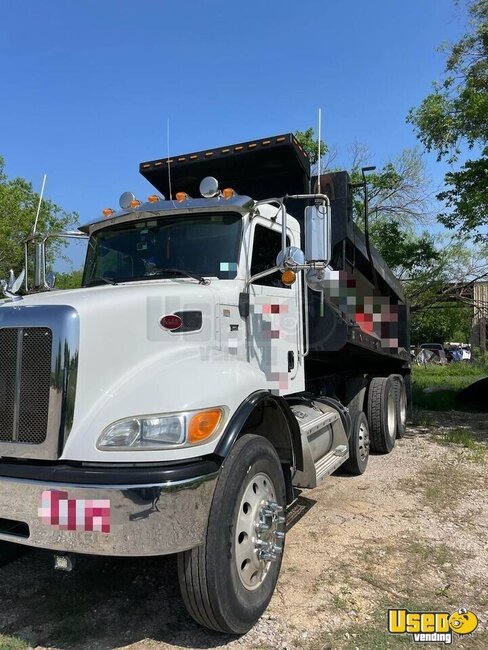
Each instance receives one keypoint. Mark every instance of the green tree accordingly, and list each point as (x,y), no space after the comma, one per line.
(69,280)
(310,145)
(435,270)
(400,191)
(18,206)
(454,116)
(441,323)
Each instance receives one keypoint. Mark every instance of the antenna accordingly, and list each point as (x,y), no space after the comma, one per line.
(318,167)
(39,204)
(168,163)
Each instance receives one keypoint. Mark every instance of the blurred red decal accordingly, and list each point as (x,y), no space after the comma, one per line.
(88,515)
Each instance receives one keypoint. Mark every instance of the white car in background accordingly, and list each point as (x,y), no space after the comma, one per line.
(466,352)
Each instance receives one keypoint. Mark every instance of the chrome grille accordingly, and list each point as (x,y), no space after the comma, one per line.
(25,377)
(8,371)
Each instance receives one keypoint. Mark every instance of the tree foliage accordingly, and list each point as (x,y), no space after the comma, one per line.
(456,114)
(310,145)
(451,321)
(436,271)
(69,279)
(18,206)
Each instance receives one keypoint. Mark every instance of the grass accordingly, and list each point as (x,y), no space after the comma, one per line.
(435,387)
(460,436)
(417,573)
(441,487)
(12,643)
(464,438)
(371,635)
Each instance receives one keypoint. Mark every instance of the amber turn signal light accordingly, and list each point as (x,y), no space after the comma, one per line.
(228,193)
(203,425)
(288,277)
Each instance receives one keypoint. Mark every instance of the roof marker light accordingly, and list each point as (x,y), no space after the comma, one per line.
(228,193)
(135,203)
(107,212)
(154,198)
(181,196)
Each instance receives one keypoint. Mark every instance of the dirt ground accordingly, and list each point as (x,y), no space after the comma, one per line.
(411,532)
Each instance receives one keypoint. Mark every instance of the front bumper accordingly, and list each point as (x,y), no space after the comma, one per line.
(118,520)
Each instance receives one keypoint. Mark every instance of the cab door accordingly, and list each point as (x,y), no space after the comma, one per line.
(275,332)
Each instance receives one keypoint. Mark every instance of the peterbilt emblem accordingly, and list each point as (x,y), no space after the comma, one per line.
(171,322)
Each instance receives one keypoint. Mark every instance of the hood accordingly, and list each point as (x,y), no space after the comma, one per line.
(107,296)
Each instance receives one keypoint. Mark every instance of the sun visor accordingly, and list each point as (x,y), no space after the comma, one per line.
(271,167)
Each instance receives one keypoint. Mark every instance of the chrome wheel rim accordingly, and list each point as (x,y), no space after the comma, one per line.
(402,407)
(363,441)
(259,531)
(391,415)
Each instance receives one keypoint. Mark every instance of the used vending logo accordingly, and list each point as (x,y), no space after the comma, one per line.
(430,627)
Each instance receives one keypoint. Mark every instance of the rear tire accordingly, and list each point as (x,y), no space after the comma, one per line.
(358,444)
(382,414)
(226,583)
(401,406)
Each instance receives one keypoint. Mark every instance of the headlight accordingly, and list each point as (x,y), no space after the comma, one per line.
(162,431)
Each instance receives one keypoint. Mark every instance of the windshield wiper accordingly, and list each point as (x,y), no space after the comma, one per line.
(92,283)
(161,273)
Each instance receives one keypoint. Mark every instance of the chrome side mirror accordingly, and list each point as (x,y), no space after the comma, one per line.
(50,280)
(126,199)
(209,187)
(39,265)
(317,234)
(290,258)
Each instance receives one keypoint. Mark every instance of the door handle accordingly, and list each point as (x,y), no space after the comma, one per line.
(291,360)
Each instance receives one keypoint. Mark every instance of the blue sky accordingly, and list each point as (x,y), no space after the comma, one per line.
(87,86)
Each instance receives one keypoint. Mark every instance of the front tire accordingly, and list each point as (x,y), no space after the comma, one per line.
(228,581)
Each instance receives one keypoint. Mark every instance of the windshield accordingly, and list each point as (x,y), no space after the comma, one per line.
(205,245)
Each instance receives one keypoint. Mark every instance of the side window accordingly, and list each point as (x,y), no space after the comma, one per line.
(266,246)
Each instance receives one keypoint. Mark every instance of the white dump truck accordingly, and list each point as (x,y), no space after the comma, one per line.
(232,340)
